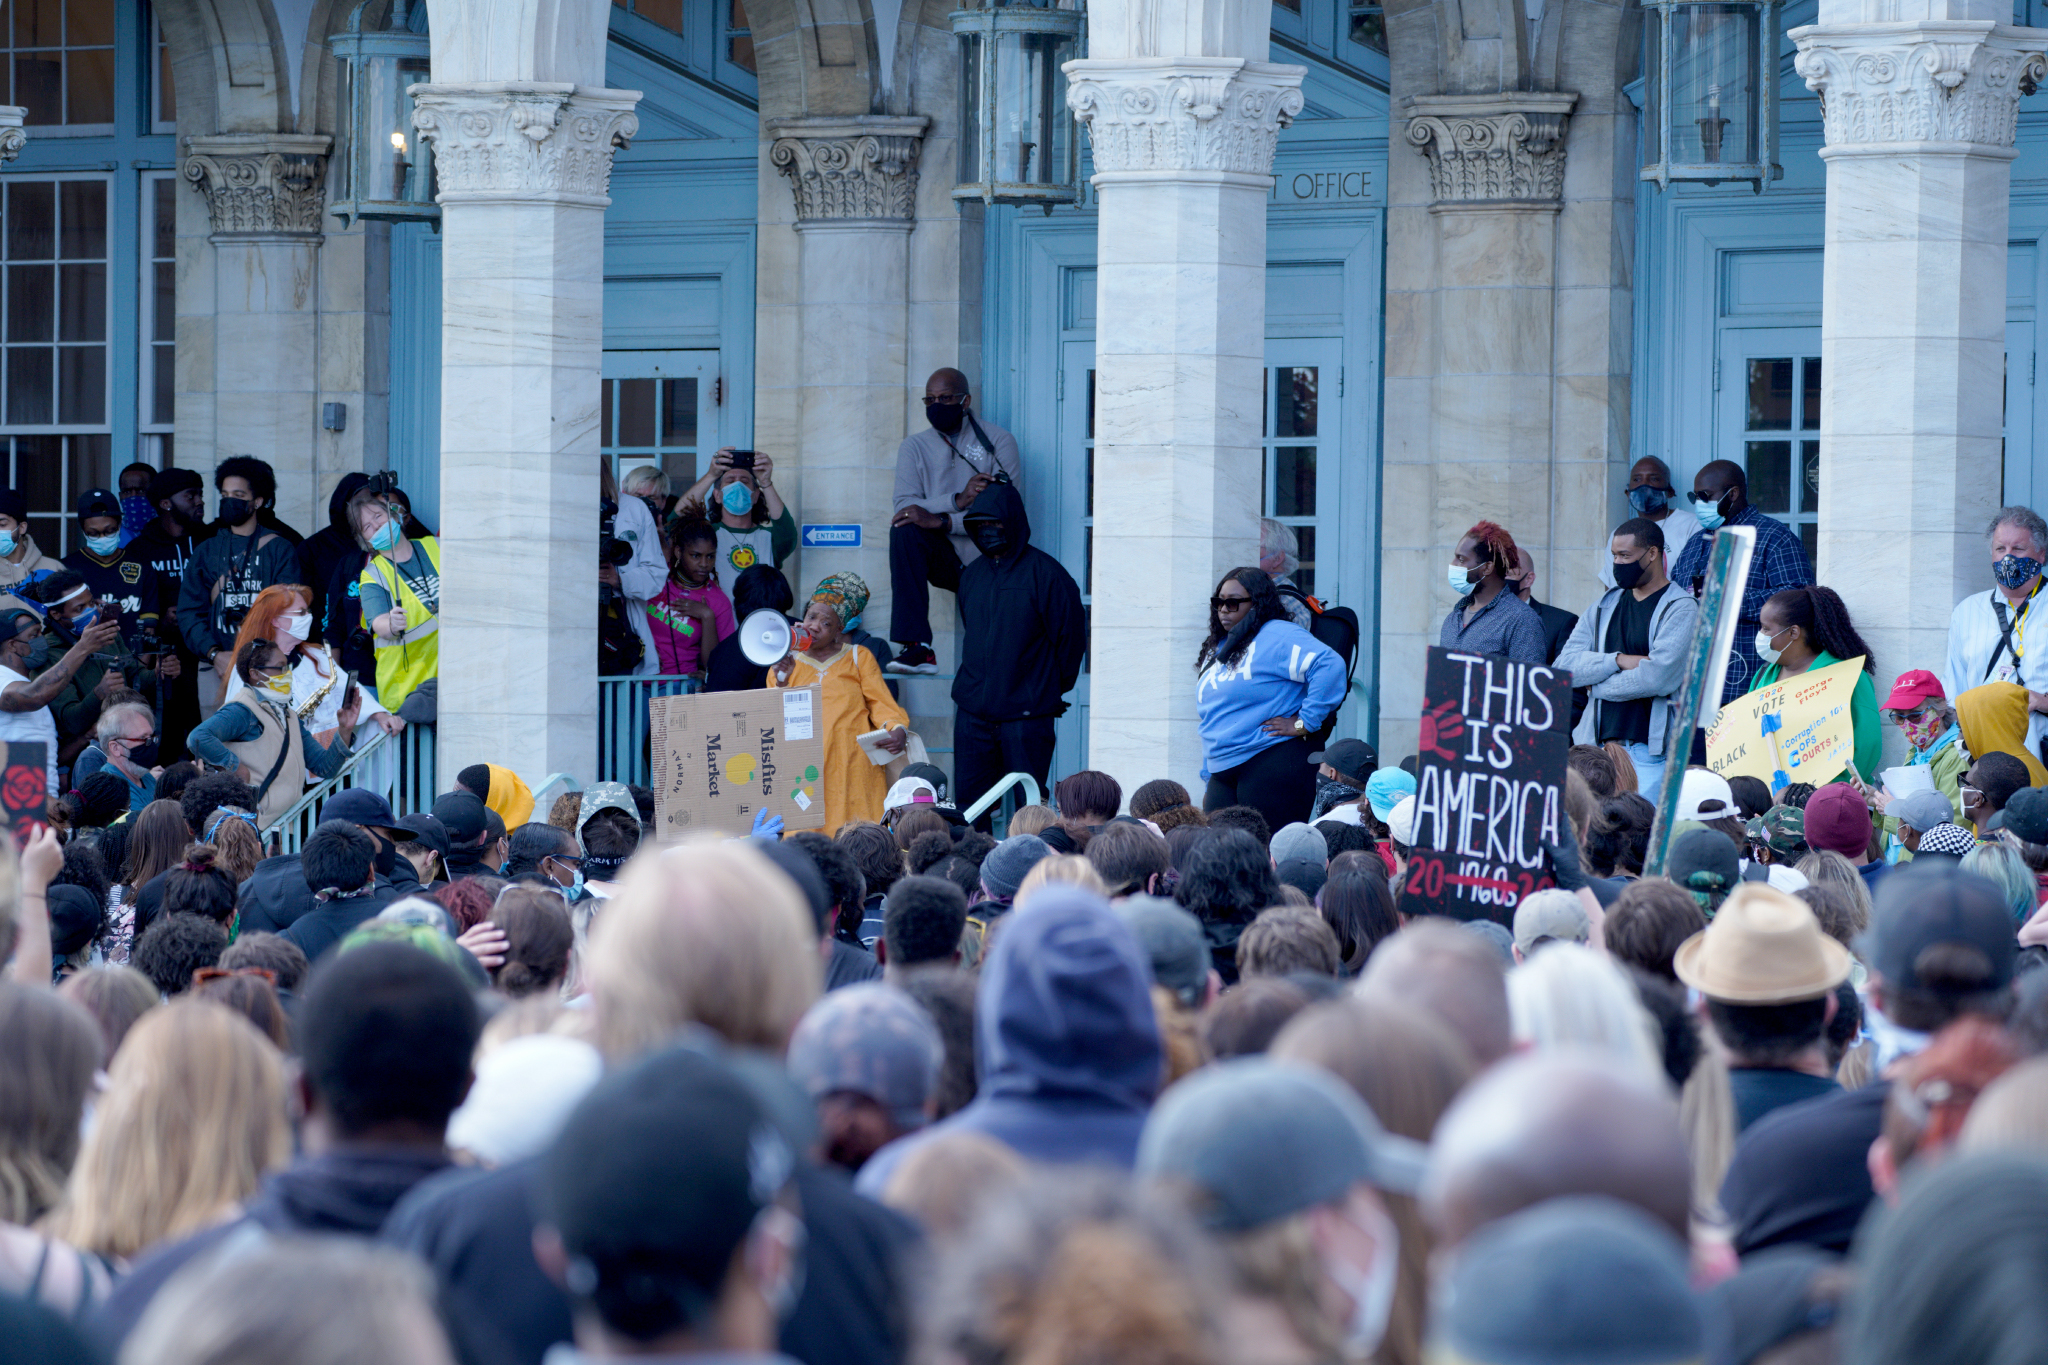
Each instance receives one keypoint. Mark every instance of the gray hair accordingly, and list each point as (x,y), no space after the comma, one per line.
(647,480)
(2027,519)
(111,720)
(1278,538)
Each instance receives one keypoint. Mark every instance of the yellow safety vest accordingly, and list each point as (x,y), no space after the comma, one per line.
(404,664)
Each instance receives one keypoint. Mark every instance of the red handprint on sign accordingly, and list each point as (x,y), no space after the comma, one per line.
(1440,722)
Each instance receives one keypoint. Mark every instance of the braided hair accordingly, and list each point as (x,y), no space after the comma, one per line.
(1227,647)
(1820,613)
(1499,545)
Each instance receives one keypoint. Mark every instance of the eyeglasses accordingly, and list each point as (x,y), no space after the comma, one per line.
(206,974)
(949,400)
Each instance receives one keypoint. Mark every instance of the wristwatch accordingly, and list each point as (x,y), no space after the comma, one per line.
(1299,728)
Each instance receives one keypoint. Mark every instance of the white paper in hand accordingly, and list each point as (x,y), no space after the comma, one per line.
(1906,781)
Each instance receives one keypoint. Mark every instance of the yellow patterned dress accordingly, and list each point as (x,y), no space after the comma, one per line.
(856,700)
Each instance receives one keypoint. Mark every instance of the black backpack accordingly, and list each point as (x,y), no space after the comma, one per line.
(1338,628)
(619,648)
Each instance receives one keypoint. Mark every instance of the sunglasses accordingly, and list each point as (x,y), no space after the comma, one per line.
(1226,603)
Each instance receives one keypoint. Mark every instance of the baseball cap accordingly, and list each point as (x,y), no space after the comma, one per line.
(75,919)
(525,1090)
(98,502)
(1945,840)
(873,1040)
(1401,822)
(1918,908)
(461,814)
(1172,939)
(1705,795)
(1552,913)
(1704,863)
(1913,687)
(1004,869)
(426,830)
(361,806)
(1922,810)
(605,796)
(1260,1140)
(2026,815)
(1354,758)
(654,1182)
(1385,790)
(1764,947)
(1784,829)
(910,791)
(1306,875)
(1299,842)
(932,773)
(1838,818)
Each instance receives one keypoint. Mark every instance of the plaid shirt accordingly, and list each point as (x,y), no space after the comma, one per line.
(1779,563)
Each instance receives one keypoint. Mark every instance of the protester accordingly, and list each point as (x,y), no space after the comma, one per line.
(1286,940)
(125,743)
(24,705)
(738,497)
(1838,821)
(1807,628)
(339,865)
(1630,649)
(691,614)
(1651,498)
(538,937)
(1130,859)
(1920,709)
(280,890)
(1546,917)
(1987,786)
(1488,618)
(940,473)
(400,592)
(1720,497)
(1557,623)
(1987,644)
(225,572)
(321,688)
(68,607)
(1022,637)
(175,947)
(262,740)
(855,699)
(869,1058)
(1266,685)
(922,920)
(1163,802)
(1280,560)
(760,588)
(162,549)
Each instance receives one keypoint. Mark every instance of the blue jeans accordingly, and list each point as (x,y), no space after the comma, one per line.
(1649,770)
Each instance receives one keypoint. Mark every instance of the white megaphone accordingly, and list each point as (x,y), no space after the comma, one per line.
(765,636)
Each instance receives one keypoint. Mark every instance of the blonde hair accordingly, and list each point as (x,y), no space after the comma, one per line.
(1061,869)
(943,1185)
(238,846)
(704,932)
(1568,995)
(192,1119)
(1032,820)
(52,1048)
(644,480)
(2012,1113)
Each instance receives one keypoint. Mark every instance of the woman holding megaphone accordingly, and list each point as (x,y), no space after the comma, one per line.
(855,699)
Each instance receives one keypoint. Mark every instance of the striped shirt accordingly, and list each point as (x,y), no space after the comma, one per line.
(1778,563)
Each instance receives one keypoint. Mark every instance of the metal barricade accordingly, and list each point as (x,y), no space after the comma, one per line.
(622,730)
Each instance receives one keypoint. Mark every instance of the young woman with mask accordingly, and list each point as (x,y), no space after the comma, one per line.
(855,698)
(259,736)
(1803,629)
(754,527)
(400,588)
(691,613)
(283,615)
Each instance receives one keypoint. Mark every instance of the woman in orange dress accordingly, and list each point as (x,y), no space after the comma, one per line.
(855,700)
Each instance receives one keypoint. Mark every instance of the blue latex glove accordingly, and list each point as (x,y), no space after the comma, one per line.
(767,825)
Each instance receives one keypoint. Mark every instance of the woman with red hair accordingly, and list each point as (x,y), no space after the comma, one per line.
(283,614)
(1488,619)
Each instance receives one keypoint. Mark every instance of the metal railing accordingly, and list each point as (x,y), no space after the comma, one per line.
(1006,792)
(399,768)
(622,730)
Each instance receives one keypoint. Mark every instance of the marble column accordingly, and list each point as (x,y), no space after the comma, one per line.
(524,169)
(1920,119)
(257,372)
(844,312)
(1183,157)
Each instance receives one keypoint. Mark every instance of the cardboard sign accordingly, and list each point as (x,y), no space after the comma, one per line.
(722,757)
(24,789)
(1489,787)
(1798,730)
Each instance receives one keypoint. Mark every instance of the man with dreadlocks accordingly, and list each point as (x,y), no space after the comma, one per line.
(1487,619)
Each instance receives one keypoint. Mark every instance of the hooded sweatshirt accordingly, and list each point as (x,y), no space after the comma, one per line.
(1023,628)
(1066,1043)
(330,556)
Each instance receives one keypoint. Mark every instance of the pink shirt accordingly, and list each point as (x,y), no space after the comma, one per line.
(679,643)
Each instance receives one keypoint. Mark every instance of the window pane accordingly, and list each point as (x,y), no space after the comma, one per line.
(166,84)
(39,473)
(92,465)
(740,47)
(1291,6)
(1369,26)
(31,303)
(681,471)
(667,13)
(164,235)
(1294,481)
(1091,405)
(1090,508)
(31,220)
(89,89)
(604,413)
(164,315)
(28,385)
(39,86)
(1770,476)
(1809,539)
(1809,416)
(82,303)
(1809,476)
(84,219)
(89,23)
(679,413)
(1305,576)
(164,367)
(1770,395)
(636,412)
(82,384)
(38,23)
(1294,400)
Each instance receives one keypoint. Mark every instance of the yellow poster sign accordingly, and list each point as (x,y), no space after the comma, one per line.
(1798,730)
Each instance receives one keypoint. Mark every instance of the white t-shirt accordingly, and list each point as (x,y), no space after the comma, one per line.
(30,727)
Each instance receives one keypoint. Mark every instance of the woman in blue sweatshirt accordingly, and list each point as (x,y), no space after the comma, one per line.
(1266,685)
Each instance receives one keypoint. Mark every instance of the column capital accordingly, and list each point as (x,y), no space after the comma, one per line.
(1955,81)
(261,186)
(852,170)
(500,141)
(12,137)
(1492,151)
(1167,114)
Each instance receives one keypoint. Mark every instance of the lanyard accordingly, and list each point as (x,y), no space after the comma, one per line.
(2006,638)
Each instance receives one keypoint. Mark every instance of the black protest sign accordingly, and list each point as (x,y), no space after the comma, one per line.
(1489,785)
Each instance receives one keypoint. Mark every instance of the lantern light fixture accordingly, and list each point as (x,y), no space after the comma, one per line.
(1712,91)
(1018,141)
(385,172)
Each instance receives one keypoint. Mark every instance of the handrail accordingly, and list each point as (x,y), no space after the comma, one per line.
(1022,781)
(289,829)
(568,784)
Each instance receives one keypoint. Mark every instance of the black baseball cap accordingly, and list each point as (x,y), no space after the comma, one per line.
(654,1182)
(461,814)
(98,502)
(1352,757)
(361,806)
(1918,908)
(427,831)
(2026,815)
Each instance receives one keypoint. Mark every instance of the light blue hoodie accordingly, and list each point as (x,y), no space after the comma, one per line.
(1284,671)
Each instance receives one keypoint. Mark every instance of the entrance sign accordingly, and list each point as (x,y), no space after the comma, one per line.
(1798,730)
(1489,785)
(831,537)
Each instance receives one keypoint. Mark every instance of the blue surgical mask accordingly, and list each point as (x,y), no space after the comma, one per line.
(1709,513)
(38,654)
(2013,571)
(83,622)
(103,545)
(738,499)
(1648,501)
(385,536)
(1460,579)
(6,542)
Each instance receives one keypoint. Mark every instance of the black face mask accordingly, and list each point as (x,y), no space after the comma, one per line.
(387,856)
(1626,576)
(945,417)
(143,755)
(234,511)
(990,538)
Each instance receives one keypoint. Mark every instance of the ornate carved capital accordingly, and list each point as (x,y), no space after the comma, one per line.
(261,184)
(850,170)
(1184,113)
(516,140)
(1935,80)
(12,137)
(1492,149)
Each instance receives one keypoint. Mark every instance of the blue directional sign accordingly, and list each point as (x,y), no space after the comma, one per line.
(831,537)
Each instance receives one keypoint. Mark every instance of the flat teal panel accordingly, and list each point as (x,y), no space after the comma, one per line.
(663,312)
(1756,283)
(1080,309)
(416,366)
(1305,296)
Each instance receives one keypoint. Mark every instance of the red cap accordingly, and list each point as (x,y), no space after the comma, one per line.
(1911,689)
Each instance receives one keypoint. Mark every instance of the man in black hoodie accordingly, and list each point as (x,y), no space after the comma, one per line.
(1023,634)
(385,1033)
(332,554)
(163,547)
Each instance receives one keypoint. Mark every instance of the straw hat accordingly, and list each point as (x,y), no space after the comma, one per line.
(1763,948)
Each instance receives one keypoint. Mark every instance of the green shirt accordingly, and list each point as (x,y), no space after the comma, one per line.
(1862,715)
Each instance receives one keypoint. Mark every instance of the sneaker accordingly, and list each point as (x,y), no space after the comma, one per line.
(913,659)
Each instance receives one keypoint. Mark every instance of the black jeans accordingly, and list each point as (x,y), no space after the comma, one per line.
(985,751)
(1278,779)
(919,560)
